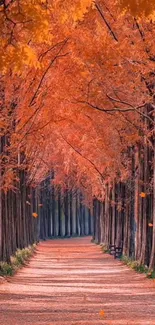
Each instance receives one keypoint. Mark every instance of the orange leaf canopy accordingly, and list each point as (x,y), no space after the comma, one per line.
(71,100)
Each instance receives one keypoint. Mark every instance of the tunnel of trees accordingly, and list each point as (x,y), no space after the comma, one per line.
(77,117)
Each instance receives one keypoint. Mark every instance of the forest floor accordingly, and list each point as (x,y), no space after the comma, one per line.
(71,282)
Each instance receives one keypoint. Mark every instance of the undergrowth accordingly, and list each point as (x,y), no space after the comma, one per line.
(135,265)
(17,261)
(140,268)
(105,249)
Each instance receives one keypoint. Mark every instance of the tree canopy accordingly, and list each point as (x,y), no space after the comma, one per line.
(76,77)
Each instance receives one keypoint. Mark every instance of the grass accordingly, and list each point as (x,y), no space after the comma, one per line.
(135,265)
(151,274)
(17,261)
(140,268)
(105,249)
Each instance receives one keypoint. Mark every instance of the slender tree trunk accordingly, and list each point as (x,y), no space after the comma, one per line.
(152,258)
(102,214)
(143,203)
(113,236)
(136,201)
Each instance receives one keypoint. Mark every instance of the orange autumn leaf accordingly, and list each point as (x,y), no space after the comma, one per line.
(86,165)
(34,214)
(150,224)
(102,313)
(138,8)
(142,194)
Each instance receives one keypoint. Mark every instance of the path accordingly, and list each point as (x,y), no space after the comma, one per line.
(69,282)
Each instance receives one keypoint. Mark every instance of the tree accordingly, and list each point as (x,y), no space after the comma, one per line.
(80,101)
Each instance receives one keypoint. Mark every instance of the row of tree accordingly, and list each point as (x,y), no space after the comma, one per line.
(127,216)
(63,214)
(28,215)
(18,228)
(77,95)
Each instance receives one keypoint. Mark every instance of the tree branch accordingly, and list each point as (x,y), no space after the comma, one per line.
(79,153)
(133,108)
(46,71)
(106,22)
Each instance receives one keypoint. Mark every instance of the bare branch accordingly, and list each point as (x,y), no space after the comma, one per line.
(139,29)
(106,110)
(79,153)
(46,71)
(106,22)
(133,108)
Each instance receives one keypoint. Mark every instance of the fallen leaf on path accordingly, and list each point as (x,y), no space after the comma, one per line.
(102,313)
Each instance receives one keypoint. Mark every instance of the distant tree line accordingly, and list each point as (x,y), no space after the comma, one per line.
(29,214)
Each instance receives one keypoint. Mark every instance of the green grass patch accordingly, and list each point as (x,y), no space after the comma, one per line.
(6,269)
(105,249)
(135,265)
(151,274)
(17,261)
(140,268)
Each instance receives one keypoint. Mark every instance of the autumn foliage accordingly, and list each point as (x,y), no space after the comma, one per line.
(75,81)
(76,91)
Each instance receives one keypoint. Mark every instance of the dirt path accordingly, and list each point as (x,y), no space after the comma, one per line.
(69,282)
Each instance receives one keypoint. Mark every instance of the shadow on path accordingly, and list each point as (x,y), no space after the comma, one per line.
(69,282)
